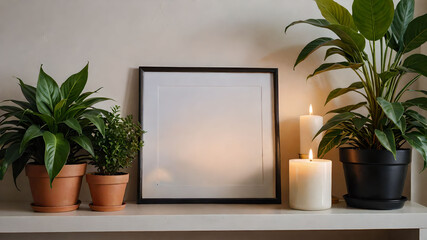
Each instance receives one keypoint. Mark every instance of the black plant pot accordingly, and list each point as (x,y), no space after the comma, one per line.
(374,179)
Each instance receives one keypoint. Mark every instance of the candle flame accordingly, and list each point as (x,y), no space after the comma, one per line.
(310,155)
(310,109)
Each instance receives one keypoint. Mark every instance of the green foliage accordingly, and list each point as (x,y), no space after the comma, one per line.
(382,120)
(51,127)
(120,144)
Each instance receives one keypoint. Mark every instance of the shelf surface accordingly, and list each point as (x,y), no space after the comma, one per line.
(19,218)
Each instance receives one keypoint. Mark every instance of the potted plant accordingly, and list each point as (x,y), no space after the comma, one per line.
(114,151)
(45,135)
(376,129)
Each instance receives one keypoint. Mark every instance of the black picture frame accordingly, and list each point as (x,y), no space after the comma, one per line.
(275,102)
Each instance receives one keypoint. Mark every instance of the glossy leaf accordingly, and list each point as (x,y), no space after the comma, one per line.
(74,85)
(386,76)
(386,139)
(334,50)
(373,17)
(330,140)
(340,91)
(420,102)
(346,34)
(18,166)
(47,93)
(359,122)
(56,153)
(11,155)
(32,132)
(85,95)
(403,15)
(310,48)
(85,143)
(29,93)
(416,33)
(417,63)
(334,121)
(334,66)
(335,13)
(92,101)
(97,121)
(59,110)
(348,108)
(417,140)
(394,111)
(74,124)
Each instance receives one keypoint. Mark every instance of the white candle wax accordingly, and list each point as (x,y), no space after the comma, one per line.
(310,184)
(309,125)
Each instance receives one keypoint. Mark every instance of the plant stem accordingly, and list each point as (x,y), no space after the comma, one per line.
(401,92)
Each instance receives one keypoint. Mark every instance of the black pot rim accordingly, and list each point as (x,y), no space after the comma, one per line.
(349,155)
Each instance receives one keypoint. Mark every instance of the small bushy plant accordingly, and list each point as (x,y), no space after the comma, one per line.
(120,144)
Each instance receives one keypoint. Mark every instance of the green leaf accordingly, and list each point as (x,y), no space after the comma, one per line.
(394,111)
(387,75)
(334,50)
(59,110)
(91,101)
(32,132)
(22,104)
(11,155)
(335,120)
(74,124)
(85,143)
(420,102)
(330,140)
(74,85)
(335,13)
(310,48)
(340,91)
(348,108)
(346,34)
(392,42)
(18,166)
(334,66)
(83,96)
(416,63)
(373,17)
(56,153)
(47,93)
(97,121)
(416,116)
(29,93)
(403,15)
(359,122)
(418,141)
(386,139)
(416,33)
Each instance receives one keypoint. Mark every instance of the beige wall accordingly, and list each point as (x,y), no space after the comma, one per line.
(118,36)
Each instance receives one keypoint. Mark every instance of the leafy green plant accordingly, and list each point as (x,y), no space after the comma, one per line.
(387,122)
(120,144)
(51,126)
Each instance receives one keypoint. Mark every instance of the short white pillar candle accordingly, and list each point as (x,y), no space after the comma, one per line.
(310,184)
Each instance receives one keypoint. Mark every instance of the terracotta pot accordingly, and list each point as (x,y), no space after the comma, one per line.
(107,191)
(64,194)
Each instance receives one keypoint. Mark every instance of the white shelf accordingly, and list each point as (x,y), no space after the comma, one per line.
(19,218)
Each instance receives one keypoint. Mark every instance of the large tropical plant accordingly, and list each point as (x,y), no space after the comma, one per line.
(51,127)
(382,120)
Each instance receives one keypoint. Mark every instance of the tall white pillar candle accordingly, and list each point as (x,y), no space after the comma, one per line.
(309,125)
(310,184)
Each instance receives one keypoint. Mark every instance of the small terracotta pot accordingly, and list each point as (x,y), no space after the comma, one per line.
(64,194)
(107,191)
